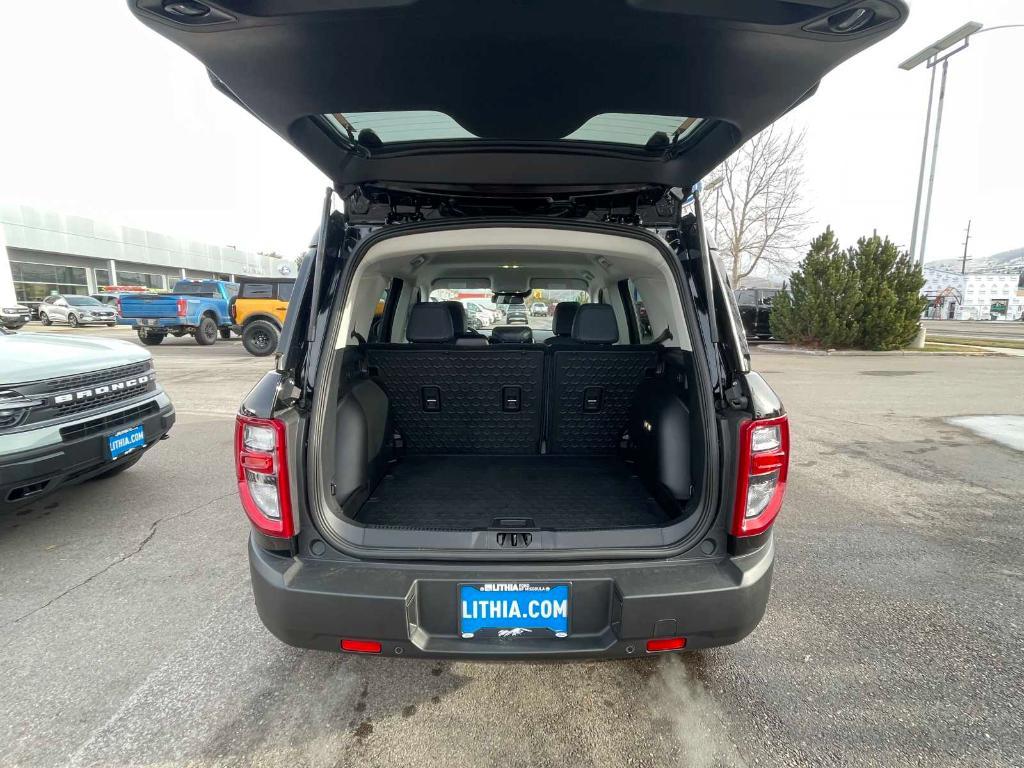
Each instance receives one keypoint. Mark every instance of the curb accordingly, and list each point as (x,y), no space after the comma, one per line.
(786,349)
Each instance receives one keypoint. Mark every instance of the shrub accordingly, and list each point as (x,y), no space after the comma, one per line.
(866,297)
(821,306)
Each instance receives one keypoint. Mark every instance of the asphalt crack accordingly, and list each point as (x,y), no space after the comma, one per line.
(117,561)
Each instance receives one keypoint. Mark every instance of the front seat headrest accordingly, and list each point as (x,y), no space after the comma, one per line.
(430,323)
(511,334)
(565,314)
(595,324)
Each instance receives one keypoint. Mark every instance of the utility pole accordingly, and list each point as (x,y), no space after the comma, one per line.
(963,264)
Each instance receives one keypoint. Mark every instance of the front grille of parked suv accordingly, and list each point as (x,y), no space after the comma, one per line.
(73,395)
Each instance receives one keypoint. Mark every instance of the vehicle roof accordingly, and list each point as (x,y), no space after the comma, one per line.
(242,279)
(520,78)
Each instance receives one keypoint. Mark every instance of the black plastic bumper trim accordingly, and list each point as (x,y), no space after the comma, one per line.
(411,607)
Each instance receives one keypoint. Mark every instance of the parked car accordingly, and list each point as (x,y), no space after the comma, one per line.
(72,409)
(258,312)
(430,495)
(75,311)
(193,307)
(516,313)
(485,315)
(755,305)
(539,309)
(13,315)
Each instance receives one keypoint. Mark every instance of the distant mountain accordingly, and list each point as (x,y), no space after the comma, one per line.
(1005,263)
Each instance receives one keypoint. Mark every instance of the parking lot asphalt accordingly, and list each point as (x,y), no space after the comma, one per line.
(894,635)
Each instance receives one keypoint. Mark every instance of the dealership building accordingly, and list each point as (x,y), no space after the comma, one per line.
(972,296)
(42,253)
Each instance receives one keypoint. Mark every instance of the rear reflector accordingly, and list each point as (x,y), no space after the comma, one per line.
(360,646)
(666,644)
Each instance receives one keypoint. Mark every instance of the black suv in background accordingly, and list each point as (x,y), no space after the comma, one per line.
(755,305)
(418,490)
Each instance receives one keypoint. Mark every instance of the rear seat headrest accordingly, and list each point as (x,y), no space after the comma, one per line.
(511,334)
(595,324)
(565,314)
(430,323)
(458,313)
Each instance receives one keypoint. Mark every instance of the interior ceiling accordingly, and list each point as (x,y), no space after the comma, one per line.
(529,264)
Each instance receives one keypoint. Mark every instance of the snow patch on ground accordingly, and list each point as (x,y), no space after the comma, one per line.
(1005,430)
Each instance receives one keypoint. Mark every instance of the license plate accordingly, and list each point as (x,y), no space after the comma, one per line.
(150,322)
(517,610)
(125,441)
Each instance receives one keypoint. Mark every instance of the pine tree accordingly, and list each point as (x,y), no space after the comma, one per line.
(821,306)
(890,285)
(868,297)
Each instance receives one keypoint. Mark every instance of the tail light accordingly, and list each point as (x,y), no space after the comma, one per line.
(182,307)
(761,481)
(262,473)
(117,306)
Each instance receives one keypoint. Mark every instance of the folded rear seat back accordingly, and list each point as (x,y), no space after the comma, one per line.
(593,383)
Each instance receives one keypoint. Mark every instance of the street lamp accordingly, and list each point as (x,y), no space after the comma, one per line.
(932,55)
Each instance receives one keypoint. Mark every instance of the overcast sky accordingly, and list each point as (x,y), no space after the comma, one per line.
(103,118)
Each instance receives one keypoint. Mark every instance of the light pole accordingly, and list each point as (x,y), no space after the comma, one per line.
(932,55)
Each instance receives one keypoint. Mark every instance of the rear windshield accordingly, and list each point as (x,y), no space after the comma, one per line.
(208,290)
(537,309)
(425,125)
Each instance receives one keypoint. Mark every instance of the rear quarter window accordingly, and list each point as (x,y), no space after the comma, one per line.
(257,291)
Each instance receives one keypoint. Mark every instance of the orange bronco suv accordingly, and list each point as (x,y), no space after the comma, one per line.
(257,312)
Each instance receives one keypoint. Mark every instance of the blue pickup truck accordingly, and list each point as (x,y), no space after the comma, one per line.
(195,307)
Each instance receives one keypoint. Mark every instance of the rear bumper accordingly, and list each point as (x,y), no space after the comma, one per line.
(412,608)
(29,475)
(159,324)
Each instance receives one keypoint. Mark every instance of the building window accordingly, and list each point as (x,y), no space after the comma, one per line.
(144,279)
(34,282)
(102,277)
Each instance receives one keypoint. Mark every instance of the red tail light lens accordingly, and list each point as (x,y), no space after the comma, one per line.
(763,471)
(666,644)
(182,307)
(360,646)
(262,473)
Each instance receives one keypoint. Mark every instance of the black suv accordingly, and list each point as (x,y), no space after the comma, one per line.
(417,489)
(755,305)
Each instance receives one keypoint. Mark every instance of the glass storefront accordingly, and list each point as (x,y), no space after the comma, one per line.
(34,282)
(102,277)
(144,279)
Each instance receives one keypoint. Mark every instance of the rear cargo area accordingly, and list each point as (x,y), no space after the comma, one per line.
(578,437)
(455,416)
(553,492)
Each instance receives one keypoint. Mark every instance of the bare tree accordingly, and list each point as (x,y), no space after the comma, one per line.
(756,202)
